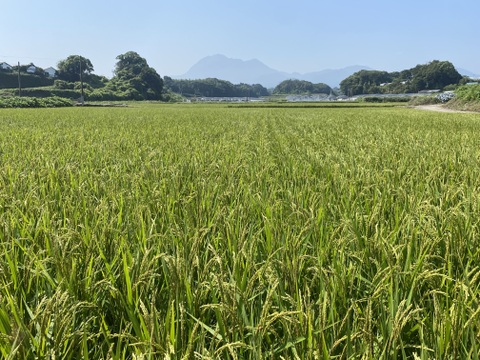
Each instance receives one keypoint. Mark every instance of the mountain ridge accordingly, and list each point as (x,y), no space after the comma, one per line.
(254,71)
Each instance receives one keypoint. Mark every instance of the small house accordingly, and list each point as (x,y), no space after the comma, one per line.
(32,69)
(5,66)
(51,72)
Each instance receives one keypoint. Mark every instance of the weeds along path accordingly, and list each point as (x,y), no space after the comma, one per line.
(209,232)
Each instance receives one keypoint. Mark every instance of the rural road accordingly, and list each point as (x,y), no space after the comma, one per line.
(439,108)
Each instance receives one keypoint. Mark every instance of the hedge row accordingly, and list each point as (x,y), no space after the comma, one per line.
(95,95)
(31,102)
(385,99)
(10,80)
(44,93)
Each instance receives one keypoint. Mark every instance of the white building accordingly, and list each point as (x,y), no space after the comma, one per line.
(51,72)
(32,69)
(5,66)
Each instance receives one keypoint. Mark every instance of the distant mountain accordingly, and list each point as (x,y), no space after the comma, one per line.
(255,72)
(234,70)
(468,73)
(332,77)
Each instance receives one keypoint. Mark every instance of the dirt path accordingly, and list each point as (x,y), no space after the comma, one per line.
(440,108)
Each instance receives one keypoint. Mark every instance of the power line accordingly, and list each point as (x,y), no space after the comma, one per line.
(26,57)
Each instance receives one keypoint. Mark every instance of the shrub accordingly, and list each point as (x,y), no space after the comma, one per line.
(423,100)
(78,86)
(103,95)
(469,93)
(32,102)
(383,99)
(62,84)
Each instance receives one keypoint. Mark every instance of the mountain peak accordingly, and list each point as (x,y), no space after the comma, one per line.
(254,71)
(234,70)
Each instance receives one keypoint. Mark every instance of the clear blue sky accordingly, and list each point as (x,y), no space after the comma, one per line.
(292,36)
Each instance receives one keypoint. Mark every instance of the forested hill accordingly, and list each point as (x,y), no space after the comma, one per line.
(434,75)
(212,87)
(301,87)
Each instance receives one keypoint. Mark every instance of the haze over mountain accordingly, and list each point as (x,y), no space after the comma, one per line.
(468,73)
(255,72)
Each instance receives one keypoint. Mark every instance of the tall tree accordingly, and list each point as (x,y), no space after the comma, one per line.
(133,70)
(74,65)
(130,63)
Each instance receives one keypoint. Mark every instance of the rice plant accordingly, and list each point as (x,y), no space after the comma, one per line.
(207,232)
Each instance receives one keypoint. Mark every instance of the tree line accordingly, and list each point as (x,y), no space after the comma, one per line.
(212,87)
(432,76)
(134,79)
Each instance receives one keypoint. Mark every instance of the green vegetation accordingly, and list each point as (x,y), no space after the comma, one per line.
(9,79)
(424,100)
(43,92)
(134,80)
(33,102)
(239,233)
(431,76)
(314,105)
(468,93)
(213,88)
(390,99)
(74,68)
(301,87)
(467,98)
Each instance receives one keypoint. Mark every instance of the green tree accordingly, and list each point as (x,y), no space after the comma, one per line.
(365,82)
(435,75)
(135,77)
(301,87)
(74,65)
(212,87)
(130,64)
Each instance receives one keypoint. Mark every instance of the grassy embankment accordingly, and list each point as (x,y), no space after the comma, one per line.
(467,99)
(212,232)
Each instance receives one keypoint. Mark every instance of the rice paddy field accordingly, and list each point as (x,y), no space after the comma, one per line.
(210,232)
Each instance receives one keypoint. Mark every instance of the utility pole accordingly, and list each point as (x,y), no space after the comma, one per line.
(82,99)
(19,84)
